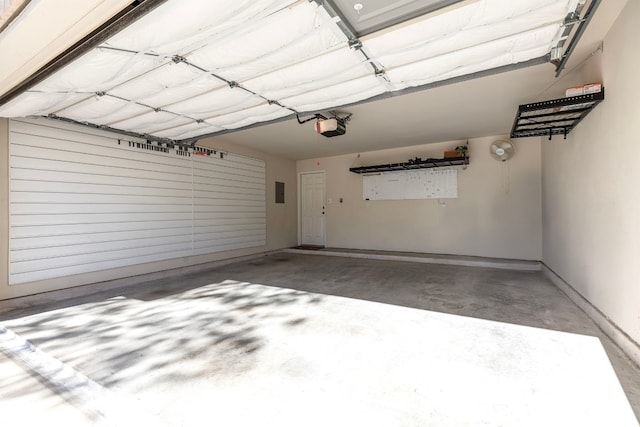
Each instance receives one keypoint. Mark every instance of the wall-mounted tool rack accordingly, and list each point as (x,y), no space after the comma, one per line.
(553,117)
(416,163)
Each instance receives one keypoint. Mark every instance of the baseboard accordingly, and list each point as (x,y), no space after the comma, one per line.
(613,331)
(485,263)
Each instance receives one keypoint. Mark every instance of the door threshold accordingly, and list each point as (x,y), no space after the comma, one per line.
(310,247)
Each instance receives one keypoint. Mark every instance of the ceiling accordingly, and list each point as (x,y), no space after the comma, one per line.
(467,109)
(474,108)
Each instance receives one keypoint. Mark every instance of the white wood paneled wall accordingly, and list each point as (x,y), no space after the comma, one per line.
(83,200)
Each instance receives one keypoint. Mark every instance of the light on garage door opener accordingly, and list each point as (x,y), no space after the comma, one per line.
(331,127)
(334,125)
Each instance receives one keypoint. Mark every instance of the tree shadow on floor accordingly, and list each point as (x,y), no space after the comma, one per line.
(164,333)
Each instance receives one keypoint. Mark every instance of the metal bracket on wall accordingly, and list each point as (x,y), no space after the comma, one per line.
(417,163)
(553,117)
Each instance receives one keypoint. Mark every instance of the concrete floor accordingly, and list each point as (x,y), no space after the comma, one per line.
(227,341)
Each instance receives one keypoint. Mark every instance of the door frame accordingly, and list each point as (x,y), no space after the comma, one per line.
(324,219)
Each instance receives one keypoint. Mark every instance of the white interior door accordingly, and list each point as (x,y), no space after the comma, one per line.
(312,217)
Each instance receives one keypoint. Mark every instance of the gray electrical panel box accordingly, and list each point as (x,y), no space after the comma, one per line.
(279,192)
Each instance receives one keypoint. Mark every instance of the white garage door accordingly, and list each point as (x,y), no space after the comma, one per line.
(83,200)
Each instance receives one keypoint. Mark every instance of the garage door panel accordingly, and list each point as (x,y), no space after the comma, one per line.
(82,202)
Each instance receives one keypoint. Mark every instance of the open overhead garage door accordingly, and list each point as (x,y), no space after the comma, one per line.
(83,200)
(192,68)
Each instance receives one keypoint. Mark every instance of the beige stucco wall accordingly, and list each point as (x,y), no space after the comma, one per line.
(4,205)
(591,204)
(497,213)
(281,227)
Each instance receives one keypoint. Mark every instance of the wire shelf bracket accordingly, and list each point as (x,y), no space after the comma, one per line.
(412,165)
(554,117)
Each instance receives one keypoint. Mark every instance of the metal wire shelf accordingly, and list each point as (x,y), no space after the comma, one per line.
(553,117)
